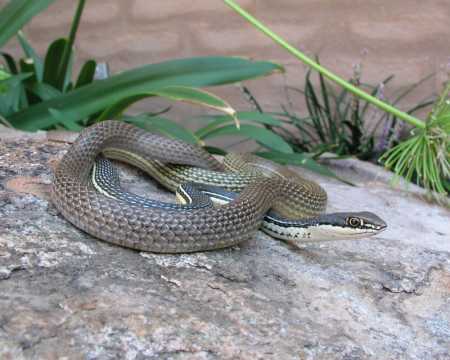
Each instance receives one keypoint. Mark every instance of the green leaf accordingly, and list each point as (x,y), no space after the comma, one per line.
(52,60)
(87,73)
(194,72)
(163,126)
(66,76)
(45,91)
(13,80)
(11,92)
(257,117)
(263,136)
(66,120)
(64,69)
(215,122)
(16,14)
(195,96)
(119,107)
(180,93)
(302,160)
(27,66)
(10,62)
(31,54)
(242,116)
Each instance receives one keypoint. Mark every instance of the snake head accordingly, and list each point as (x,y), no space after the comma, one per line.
(349,225)
(365,221)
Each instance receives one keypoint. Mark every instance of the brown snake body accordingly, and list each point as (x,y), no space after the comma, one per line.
(163,230)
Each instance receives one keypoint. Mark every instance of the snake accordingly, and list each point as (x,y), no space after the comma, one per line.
(109,213)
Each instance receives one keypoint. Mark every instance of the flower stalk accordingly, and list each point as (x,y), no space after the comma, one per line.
(325,72)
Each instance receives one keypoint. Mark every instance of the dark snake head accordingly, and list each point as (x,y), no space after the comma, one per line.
(350,225)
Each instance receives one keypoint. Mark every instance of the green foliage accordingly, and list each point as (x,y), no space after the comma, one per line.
(425,157)
(430,145)
(252,127)
(117,92)
(16,14)
(41,79)
(337,122)
(44,93)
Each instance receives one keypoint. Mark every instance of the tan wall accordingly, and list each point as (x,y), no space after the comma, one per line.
(408,38)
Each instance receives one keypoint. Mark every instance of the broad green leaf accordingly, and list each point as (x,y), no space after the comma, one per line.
(66,76)
(45,91)
(195,96)
(87,73)
(11,92)
(16,14)
(4,74)
(26,66)
(300,160)
(263,136)
(8,80)
(257,117)
(66,120)
(119,107)
(193,72)
(164,126)
(52,59)
(31,54)
(10,62)
(214,124)
(180,93)
(242,116)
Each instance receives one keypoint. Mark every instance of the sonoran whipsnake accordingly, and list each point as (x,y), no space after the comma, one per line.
(100,207)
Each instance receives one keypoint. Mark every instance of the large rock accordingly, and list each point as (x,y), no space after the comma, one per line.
(66,295)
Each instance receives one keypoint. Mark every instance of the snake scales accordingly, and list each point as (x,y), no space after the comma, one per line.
(161,230)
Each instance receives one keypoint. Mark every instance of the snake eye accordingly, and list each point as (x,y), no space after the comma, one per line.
(354,222)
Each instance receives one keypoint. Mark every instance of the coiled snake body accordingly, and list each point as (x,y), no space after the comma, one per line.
(159,229)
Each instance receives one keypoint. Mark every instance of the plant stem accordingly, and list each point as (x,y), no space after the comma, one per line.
(76,22)
(340,81)
(69,45)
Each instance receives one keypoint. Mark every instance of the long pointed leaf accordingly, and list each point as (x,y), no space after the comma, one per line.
(44,91)
(11,93)
(10,62)
(195,96)
(68,122)
(180,93)
(52,60)
(31,53)
(86,75)
(301,160)
(119,107)
(242,116)
(164,126)
(203,71)
(65,63)
(16,14)
(263,136)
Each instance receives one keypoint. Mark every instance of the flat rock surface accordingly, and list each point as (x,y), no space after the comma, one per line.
(66,295)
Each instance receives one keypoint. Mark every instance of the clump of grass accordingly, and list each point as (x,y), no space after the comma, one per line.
(338,122)
(425,156)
